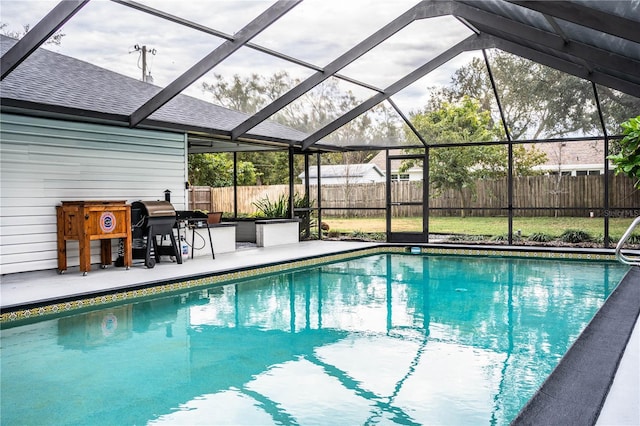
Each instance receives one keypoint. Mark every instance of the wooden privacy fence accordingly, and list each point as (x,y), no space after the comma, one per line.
(536,195)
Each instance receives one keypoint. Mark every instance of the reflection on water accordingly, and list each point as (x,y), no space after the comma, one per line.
(95,328)
(387,338)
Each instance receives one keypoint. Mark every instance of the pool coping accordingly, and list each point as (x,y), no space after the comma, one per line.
(95,299)
(576,390)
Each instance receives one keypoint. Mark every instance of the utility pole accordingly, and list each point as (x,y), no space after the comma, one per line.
(144,51)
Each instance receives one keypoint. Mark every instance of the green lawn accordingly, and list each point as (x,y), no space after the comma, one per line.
(490,226)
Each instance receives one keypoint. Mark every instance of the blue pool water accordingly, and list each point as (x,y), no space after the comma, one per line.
(388,338)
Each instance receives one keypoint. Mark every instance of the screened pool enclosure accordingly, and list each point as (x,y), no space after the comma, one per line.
(500,112)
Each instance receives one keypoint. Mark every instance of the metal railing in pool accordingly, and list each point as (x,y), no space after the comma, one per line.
(628,260)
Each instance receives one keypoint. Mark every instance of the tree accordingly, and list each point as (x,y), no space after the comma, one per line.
(217,170)
(271,168)
(627,161)
(55,39)
(538,102)
(249,94)
(458,168)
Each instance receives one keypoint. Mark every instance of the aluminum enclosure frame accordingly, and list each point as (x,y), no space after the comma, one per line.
(538,31)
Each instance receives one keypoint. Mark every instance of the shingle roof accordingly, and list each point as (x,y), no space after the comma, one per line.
(50,78)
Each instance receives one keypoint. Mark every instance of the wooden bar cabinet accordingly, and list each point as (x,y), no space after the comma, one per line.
(86,221)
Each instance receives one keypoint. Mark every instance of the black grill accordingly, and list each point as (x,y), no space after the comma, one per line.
(152,220)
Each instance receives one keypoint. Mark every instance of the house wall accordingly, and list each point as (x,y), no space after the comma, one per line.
(370,176)
(414,174)
(572,158)
(44,161)
(340,180)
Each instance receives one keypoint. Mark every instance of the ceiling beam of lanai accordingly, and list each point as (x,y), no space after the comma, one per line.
(587,17)
(583,69)
(590,56)
(567,66)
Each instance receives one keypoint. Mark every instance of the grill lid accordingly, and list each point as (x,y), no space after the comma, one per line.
(156,208)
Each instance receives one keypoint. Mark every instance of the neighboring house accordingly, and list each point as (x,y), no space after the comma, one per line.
(572,158)
(380,160)
(568,158)
(64,136)
(344,173)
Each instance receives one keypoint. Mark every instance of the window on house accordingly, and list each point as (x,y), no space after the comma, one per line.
(587,172)
(398,177)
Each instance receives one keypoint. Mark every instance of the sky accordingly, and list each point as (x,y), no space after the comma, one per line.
(104,33)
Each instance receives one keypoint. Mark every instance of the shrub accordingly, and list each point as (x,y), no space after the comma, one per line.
(540,237)
(575,236)
(467,238)
(614,239)
(368,236)
(378,236)
(273,209)
(627,161)
(360,235)
(280,209)
(633,239)
(504,237)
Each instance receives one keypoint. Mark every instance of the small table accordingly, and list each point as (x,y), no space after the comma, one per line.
(86,221)
(197,220)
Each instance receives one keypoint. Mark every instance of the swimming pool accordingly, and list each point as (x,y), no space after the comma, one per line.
(387,338)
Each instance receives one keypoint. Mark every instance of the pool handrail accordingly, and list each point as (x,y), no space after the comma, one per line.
(634,261)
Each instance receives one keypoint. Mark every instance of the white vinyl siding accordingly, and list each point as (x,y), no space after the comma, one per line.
(44,161)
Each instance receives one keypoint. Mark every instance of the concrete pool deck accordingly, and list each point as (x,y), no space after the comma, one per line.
(622,405)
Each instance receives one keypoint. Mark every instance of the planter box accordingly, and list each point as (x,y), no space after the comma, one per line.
(275,232)
(280,231)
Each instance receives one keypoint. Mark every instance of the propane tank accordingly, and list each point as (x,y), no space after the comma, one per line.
(184,248)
